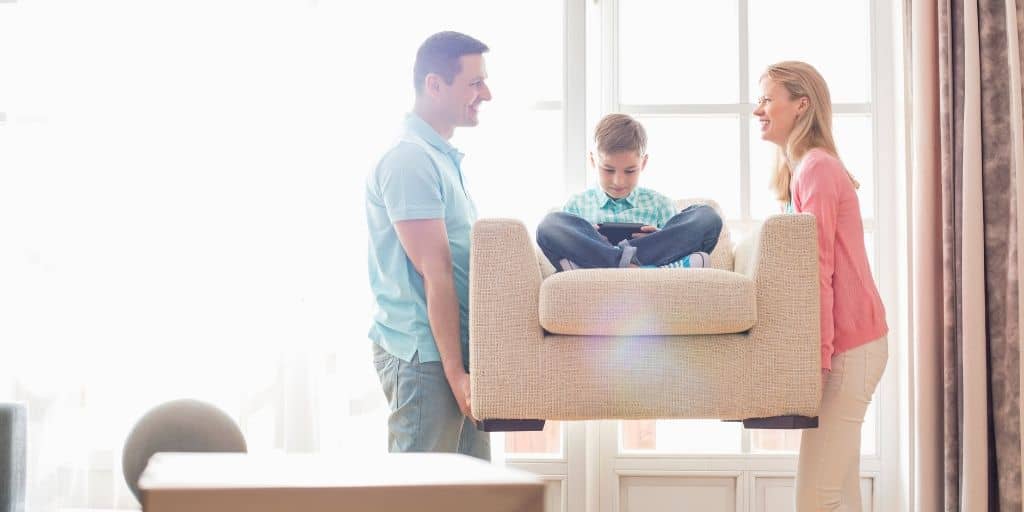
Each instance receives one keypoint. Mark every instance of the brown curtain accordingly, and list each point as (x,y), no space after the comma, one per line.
(966,187)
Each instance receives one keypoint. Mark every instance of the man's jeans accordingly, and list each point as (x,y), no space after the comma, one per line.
(424,414)
(564,235)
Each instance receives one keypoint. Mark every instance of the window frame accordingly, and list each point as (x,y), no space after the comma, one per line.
(590,90)
(886,108)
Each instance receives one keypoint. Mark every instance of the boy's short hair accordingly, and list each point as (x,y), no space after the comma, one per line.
(616,133)
(440,54)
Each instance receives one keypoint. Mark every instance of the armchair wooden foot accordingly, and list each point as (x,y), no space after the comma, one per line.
(781,422)
(510,425)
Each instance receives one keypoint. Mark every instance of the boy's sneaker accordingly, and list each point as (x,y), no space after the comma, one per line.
(567,264)
(695,260)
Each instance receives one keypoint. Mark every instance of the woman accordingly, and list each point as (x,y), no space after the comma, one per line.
(795,111)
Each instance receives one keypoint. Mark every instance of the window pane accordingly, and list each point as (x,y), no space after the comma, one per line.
(788,441)
(775,441)
(511,56)
(680,436)
(762,164)
(546,443)
(832,35)
(738,233)
(693,156)
(852,134)
(501,182)
(867,433)
(869,247)
(853,141)
(496,175)
(661,44)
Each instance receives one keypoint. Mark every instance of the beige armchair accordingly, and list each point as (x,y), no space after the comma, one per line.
(739,341)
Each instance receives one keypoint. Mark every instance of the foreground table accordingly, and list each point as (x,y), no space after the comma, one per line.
(229,482)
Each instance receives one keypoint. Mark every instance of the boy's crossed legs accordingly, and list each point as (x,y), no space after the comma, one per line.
(564,236)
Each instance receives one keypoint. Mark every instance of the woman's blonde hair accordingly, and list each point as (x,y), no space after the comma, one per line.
(813,129)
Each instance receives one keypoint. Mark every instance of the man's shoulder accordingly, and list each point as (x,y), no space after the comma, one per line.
(402,162)
(403,154)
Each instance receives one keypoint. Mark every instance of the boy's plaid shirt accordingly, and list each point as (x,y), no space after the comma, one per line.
(643,205)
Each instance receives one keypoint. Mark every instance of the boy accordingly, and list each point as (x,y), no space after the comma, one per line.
(570,239)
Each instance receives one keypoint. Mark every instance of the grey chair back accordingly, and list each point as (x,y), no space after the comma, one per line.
(13,447)
(178,426)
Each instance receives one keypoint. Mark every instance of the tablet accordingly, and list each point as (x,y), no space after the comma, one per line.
(616,232)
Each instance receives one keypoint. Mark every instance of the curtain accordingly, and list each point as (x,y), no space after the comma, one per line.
(966,262)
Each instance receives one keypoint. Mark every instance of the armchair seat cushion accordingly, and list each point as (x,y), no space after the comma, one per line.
(647,302)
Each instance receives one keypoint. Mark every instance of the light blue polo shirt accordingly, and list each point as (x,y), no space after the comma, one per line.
(420,177)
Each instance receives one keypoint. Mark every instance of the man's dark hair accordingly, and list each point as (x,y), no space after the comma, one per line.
(440,53)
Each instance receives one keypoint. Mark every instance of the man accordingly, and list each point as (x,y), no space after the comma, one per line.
(419,217)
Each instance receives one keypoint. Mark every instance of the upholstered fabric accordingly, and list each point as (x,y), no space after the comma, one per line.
(546,268)
(647,302)
(722,256)
(519,371)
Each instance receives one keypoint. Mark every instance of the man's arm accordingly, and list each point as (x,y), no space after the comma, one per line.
(426,243)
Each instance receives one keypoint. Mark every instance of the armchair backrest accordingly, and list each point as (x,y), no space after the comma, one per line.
(722,256)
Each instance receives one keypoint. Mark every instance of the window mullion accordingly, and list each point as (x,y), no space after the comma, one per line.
(574,91)
(744,47)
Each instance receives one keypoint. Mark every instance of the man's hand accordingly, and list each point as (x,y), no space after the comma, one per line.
(459,382)
(426,244)
(645,230)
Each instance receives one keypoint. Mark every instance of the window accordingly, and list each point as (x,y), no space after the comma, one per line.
(184,194)
(189,178)
(691,81)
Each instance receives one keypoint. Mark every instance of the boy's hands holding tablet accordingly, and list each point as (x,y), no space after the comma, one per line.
(616,232)
(644,231)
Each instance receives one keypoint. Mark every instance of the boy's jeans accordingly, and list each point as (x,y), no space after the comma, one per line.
(564,235)
(424,414)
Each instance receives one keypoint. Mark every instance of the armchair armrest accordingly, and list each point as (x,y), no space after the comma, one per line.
(784,266)
(787,336)
(504,323)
